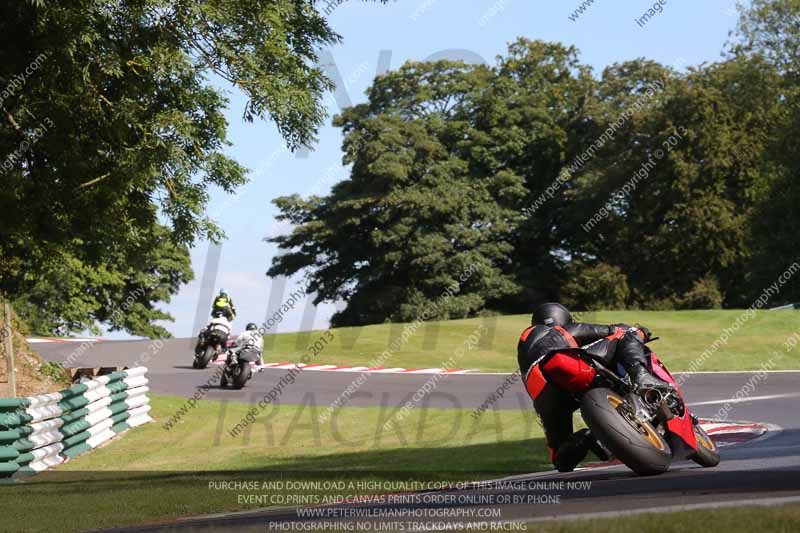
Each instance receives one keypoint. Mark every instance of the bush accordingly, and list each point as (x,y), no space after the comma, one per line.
(55,372)
(600,286)
(704,294)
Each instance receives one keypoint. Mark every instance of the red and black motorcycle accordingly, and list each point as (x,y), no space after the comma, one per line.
(645,429)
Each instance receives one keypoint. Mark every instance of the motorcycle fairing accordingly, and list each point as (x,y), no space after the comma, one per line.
(680,426)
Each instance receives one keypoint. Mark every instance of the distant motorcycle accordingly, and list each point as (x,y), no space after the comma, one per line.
(210,344)
(237,369)
(645,429)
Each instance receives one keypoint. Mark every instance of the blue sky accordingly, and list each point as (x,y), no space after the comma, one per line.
(684,33)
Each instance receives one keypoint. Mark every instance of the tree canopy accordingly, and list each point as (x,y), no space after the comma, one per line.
(640,187)
(115,135)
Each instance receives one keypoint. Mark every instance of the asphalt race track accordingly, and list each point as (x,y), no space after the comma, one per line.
(171,373)
(766,470)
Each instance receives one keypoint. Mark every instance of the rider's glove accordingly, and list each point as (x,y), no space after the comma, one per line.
(613,329)
(645,333)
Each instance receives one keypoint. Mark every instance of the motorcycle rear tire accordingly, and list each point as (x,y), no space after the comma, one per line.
(241,375)
(643,449)
(204,359)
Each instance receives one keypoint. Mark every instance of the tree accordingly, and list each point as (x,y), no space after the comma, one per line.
(679,183)
(770,29)
(416,229)
(643,188)
(446,161)
(535,122)
(121,291)
(116,137)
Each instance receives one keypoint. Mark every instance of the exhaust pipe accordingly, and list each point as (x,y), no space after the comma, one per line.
(653,396)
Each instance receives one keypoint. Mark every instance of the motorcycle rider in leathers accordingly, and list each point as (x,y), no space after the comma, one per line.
(223,306)
(221,325)
(250,339)
(552,329)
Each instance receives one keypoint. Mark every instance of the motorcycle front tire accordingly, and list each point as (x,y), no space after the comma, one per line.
(707,454)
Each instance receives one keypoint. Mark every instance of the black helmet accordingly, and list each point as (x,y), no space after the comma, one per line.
(551,314)
(251,327)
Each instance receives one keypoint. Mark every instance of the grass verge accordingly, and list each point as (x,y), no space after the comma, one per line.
(684,336)
(779,519)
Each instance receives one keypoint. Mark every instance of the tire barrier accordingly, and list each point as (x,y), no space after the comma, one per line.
(43,431)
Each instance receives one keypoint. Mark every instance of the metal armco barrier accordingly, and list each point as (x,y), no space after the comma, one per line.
(42,431)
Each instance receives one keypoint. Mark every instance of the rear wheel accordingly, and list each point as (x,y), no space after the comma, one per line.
(204,359)
(241,375)
(633,441)
(707,454)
